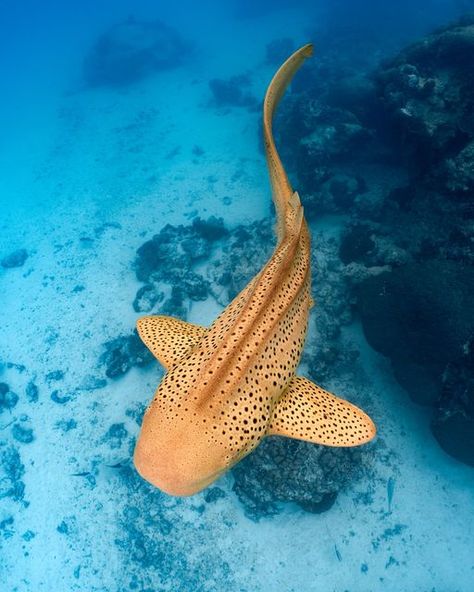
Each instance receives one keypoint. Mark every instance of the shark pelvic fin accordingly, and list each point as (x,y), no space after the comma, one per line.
(308,412)
(168,339)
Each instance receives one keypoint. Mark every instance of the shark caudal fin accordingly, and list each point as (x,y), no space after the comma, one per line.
(168,339)
(281,188)
(308,412)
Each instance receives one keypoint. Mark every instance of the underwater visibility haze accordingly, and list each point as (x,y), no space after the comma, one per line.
(133,185)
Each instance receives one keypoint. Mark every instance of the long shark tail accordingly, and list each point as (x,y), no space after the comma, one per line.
(283,194)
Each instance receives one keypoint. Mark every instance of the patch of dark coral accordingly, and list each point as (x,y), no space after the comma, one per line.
(284,470)
(8,399)
(131,50)
(419,311)
(12,471)
(122,353)
(421,316)
(453,420)
(427,92)
(170,257)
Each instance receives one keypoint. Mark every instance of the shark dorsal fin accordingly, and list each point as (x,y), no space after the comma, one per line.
(308,412)
(168,339)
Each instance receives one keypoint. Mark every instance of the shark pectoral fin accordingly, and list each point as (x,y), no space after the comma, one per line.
(308,412)
(168,339)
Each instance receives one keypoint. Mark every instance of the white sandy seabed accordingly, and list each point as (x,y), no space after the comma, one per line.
(101,173)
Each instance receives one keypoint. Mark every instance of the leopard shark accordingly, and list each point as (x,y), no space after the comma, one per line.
(230,385)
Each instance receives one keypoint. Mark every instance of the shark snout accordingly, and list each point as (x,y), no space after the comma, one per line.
(172,473)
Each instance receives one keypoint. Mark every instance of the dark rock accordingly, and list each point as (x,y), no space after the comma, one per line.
(457,172)
(285,470)
(428,92)
(453,421)
(146,298)
(124,352)
(212,494)
(32,392)
(115,435)
(57,398)
(195,286)
(232,92)
(151,255)
(344,189)
(15,259)
(356,243)
(22,434)
(129,51)
(12,471)
(55,375)
(175,249)
(174,306)
(420,316)
(211,229)
(403,197)
(8,399)
(248,249)
(196,247)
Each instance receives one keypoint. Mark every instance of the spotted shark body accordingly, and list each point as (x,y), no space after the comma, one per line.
(230,385)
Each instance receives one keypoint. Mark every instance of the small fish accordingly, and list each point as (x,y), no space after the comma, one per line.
(230,385)
(338,554)
(390,490)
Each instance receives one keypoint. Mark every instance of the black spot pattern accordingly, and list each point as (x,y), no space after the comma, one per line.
(308,412)
(167,338)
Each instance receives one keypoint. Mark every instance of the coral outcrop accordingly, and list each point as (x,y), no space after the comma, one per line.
(419,311)
(131,50)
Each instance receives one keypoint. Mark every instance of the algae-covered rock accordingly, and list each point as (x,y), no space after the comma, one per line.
(124,352)
(428,90)
(285,470)
(453,421)
(419,315)
(132,50)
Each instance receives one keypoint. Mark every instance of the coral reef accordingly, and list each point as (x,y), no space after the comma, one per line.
(410,316)
(124,352)
(453,421)
(132,50)
(419,311)
(427,91)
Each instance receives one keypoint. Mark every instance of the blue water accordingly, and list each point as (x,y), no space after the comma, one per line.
(99,151)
